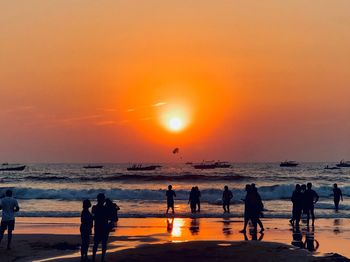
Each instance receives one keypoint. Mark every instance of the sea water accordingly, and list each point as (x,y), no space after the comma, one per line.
(57,190)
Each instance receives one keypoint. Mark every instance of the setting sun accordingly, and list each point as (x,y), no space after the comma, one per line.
(175,124)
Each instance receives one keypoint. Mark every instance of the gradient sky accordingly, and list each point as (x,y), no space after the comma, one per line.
(96,81)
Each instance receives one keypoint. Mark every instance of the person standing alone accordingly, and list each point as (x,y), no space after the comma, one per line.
(170,194)
(337,196)
(9,206)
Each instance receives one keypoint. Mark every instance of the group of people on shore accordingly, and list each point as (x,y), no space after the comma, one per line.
(104,214)
(304,199)
(102,219)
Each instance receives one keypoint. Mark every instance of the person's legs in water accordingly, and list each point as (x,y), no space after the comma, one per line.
(85,242)
(255,224)
(224,207)
(297,218)
(308,216)
(9,238)
(94,250)
(228,207)
(246,220)
(199,206)
(312,216)
(167,210)
(104,249)
(2,232)
(336,203)
(260,225)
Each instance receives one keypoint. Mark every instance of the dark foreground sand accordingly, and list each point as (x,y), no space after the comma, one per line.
(214,251)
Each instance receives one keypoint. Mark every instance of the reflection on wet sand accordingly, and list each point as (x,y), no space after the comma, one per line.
(310,243)
(174,226)
(226,227)
(253,235)
(194,226)
(337,224)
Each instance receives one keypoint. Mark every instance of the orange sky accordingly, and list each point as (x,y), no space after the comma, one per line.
(96,81)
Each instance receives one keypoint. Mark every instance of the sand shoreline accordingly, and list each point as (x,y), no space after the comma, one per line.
(44,238)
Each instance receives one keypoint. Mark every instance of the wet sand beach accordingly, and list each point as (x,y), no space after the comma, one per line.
(44,239)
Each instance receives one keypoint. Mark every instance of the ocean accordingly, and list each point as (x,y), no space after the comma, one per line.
(57,190)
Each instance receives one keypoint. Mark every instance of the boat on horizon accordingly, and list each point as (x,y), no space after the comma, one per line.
(289,164)
(93,166)
(343,164)
(143,168)
(12,167)
(331,167)
(222,164)
(212,165)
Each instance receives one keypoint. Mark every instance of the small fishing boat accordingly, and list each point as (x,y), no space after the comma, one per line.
(331,167)
(142,168)
(222,164)
(8,167)
(343,164)
(289,164)
(93,166)
(205,165)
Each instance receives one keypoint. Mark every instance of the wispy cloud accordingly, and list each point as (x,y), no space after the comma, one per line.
(159,104)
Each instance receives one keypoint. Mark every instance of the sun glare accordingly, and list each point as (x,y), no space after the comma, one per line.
(175,118)
(175,124)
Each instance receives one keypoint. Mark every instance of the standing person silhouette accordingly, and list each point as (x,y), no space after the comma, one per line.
(247,209)
(226,199)
(170,194)
(9,206)
(101,227)
(192,200)
(85,229)
(297,200)
(311,198)
(337,194)
(259,207)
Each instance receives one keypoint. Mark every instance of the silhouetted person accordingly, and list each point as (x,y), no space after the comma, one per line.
(112,213)
(311,198)
(337,194)
(198,198)
(259,206)
(101,227)
(9,206)
(170,194)
(252,208)
(226,199)
(297,200)
(192,200)
(86,220)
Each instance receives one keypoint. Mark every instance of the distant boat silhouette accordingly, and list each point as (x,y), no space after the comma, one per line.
(289,164)
(93,166)
(7,167)
(212,165)
(331,167)
(188,163)
(222,164)
(142,168)
(343,164)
